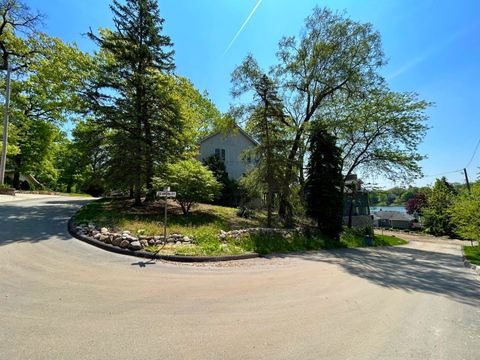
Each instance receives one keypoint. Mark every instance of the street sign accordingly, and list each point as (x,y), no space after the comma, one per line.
(166,193)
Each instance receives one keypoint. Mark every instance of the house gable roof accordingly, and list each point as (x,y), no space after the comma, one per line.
(243,132)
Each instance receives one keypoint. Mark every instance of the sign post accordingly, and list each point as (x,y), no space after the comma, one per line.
(166,193)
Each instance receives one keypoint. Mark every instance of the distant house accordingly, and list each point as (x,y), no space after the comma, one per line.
(230,148)
(356,203)
(393,219)
(26,181)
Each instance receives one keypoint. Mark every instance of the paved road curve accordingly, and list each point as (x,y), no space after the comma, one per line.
(61,298)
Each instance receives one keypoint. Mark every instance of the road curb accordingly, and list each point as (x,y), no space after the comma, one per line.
(148,255)
(468,264)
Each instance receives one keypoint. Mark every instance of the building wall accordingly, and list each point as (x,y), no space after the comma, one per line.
(234,144)
(400,224)
(359,220)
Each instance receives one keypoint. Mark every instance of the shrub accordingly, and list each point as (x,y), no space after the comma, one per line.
(192,181)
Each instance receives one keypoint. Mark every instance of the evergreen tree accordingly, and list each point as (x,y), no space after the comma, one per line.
(130,94)
(266,127)
(324,184)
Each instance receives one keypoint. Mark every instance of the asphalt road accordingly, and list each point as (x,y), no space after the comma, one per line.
(64,299)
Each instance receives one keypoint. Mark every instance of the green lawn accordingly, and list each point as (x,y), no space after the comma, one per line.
(472,253)
(204,223)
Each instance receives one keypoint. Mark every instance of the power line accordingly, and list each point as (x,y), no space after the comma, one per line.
(473,155)
(443,173)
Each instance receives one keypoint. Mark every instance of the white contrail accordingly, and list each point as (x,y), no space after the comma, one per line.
(428,53)
(243,25)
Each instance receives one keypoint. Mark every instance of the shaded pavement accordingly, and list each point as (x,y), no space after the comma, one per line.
(61,298)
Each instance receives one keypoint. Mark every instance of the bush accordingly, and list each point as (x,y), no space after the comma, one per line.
(192,181)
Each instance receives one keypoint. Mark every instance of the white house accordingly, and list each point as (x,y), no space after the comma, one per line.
(229,147)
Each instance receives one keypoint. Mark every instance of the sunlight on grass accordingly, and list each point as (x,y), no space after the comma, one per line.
(204,224)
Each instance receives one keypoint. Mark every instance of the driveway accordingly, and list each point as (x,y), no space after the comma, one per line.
(61,298)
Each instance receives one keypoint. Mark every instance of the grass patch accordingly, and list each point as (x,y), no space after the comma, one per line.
(472,253)
(75,194)
(204,224)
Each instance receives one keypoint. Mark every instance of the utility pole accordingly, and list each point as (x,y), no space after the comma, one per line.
(466,179)
(6,112)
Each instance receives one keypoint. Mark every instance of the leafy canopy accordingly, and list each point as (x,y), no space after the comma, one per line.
(192,181)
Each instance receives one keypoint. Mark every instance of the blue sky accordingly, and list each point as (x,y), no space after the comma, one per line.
(433,48)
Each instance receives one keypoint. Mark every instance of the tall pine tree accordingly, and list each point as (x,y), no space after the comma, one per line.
(324,184)
(266,126)
(130,96)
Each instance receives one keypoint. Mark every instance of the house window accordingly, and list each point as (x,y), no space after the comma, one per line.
(220,153)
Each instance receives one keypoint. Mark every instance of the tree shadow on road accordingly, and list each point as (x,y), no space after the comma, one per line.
(20,221)
(408,269)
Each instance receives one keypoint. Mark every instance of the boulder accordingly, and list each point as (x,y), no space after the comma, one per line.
(152,242)
(124,243)
(143,242)
(186,239)
(104,230)
(135,245)
(117,240)
(102,237)
(129,237)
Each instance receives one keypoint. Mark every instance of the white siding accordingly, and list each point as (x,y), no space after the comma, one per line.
(234,145)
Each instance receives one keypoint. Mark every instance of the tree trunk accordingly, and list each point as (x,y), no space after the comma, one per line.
(16,180)
(285,208)
(148,161)
(69,185)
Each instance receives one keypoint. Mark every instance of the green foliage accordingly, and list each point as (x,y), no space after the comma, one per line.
(130,94)
(465,213)
(232,193)
(324,185)
(379,131)
(265,121)
(436,215)
(45,93)
(472,253)
(192,181)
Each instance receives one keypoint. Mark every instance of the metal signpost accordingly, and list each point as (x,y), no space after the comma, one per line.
(6,110)
(166,193)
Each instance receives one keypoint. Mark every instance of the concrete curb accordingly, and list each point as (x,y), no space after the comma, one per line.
(148,255)
(468,264)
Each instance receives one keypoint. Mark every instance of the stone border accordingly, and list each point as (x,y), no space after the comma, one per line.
(149,255)
(468,264)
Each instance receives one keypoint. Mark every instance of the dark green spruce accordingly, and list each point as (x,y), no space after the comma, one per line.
(324,184)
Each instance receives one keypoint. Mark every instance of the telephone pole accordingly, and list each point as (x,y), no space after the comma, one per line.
(6,112)
(466,179)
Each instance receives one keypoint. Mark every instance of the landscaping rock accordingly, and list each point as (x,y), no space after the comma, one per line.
(104,230)
(117,240)
(186,239)
(152,242)
(125,243)
(143,242)
(135,245)
(129,237)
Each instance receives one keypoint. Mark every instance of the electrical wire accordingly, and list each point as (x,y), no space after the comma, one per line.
(473,155)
